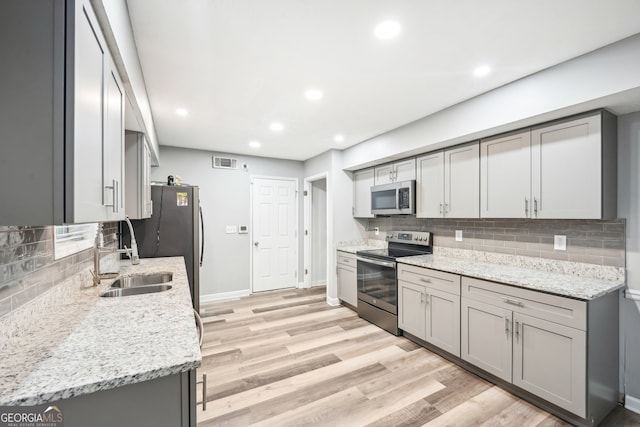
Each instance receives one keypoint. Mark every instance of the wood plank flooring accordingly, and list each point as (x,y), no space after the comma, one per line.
(286,358)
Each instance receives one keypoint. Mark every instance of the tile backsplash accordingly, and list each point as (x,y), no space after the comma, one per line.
(600,242)
(27,265)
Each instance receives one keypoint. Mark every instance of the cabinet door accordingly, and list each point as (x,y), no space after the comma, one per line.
(347,285)
(486,337)
(567,170)
(86,202)
(405,170)
(549,360)
(443,320)
(412,316)
(383,174)
(462,182)
(430,185)
(113,146)
(362,183)
(505,177)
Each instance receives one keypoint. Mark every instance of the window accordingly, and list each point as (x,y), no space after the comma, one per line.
(73,238)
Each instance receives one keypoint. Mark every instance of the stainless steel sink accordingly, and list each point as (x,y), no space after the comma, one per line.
(137,290)
(135,280)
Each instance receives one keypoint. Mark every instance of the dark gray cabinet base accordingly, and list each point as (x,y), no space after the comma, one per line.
(160,402)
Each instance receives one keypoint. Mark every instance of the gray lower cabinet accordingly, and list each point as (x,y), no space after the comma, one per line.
(562,350)
(429,306)
(162,402)
(346,269)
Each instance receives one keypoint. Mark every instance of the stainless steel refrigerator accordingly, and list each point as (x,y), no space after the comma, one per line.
(174,229)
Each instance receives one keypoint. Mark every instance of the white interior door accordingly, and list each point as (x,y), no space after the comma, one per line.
(275,240)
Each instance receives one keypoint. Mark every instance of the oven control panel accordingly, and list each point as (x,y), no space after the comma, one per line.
(413,237)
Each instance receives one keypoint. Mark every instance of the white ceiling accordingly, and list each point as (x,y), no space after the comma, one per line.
(238,65)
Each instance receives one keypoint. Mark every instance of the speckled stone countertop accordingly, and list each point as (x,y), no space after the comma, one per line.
(568,285)
(78,343)
(360,245)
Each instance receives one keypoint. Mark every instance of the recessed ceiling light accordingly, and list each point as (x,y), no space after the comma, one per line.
(482,71)
(254,144)
(339,138)
(313,94)
(182,112)
(275,126)
(387,30)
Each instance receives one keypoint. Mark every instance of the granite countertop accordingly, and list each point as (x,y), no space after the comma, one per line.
(80,343)
(583,288)
(353,246)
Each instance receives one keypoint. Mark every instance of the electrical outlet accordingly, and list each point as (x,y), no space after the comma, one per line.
(232,229)
(559,242)
(458,235)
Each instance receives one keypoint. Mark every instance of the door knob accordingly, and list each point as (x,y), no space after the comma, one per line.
(256,244)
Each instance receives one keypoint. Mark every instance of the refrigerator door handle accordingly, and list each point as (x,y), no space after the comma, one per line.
(201,236)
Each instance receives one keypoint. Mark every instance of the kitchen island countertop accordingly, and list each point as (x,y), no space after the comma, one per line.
(82,343)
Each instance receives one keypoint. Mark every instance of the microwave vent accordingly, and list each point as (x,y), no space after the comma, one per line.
(225,163)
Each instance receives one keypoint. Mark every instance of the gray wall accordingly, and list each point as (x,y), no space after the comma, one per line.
(340,223)
(629,208)
(225,199)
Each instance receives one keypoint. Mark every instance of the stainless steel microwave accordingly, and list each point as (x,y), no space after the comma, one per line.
(397,198)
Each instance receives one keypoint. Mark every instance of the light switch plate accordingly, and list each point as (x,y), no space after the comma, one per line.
(243,229)
(559,242)
(232,229)
(458,235)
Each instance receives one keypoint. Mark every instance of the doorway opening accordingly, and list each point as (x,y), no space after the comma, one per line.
(317,232)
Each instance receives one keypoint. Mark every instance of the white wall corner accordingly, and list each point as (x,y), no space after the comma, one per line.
(632,403)
(225,295)
(334,302)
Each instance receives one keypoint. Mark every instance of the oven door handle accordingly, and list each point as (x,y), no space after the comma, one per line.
(390,264)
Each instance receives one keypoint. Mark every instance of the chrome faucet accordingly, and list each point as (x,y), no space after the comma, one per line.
(98,248)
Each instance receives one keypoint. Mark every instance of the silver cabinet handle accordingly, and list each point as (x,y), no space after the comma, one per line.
(513,302)
(425,279)
(535,206)
(204,391)
(421,296)
(506,326)
(116,194)
(526,207)
(517,330)
(378,262)
(200,327)
(446,208)
(441,208)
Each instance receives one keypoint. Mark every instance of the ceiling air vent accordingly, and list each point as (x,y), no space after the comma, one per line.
(225,163)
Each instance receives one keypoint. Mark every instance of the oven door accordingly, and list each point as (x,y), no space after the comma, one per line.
(377,283)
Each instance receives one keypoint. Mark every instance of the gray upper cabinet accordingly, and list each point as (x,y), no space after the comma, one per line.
(566,170)
(138,176)
(573,168)
(362,183)
(448,183)
(505,180)
(61,117)
(404,170)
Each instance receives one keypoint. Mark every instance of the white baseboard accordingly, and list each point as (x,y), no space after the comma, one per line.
(225,295)
(301,285)
(333,301)
(632,403)
(319,283)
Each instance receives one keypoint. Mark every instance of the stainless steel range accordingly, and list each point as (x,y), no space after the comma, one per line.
(377,279)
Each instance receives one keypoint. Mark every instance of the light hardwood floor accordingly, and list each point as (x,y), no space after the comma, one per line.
(286,358)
